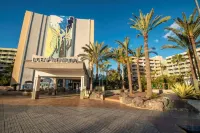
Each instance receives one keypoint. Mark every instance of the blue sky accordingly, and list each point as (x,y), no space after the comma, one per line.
(111,18)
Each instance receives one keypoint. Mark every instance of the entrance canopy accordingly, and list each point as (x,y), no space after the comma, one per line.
(70,70)
(57,69)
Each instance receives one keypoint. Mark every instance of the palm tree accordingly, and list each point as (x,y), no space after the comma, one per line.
(125,46)
(146,23)
(138,53)
(89,52)
(163,67)
(183,43)
(153,74)
(104,65)
(191,28)
(177,59)
(123,60)
(197,4)
(116,55)
(100,53)
(106,68)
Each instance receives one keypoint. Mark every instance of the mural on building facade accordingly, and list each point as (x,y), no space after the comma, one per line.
(59,37)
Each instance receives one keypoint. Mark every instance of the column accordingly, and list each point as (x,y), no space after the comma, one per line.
(64,83)
(36,88)
(82,93)
(82,83)
(55,86)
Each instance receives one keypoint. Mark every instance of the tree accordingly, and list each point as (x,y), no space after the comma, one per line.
(163,67)
(177,59)
(116,54)
(5,75)
(94,53)
(104,66)
(191,28)
(144,24)
(113,79)
(89,52)
(138,53)
(101,53)
(197,4)
(123,60)
(183,43)
(125,46)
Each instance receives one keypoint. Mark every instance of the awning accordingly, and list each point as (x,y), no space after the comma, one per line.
(58,68)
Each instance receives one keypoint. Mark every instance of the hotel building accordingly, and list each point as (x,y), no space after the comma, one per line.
(155,65)
(7,57)
(185,68)
(48,48)
(171,68)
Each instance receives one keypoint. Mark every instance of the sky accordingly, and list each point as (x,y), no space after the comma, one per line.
(111,18)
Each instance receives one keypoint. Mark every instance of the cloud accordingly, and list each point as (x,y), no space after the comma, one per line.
(156,40)
(170,33)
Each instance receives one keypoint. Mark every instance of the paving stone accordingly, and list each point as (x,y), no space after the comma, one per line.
(87,117)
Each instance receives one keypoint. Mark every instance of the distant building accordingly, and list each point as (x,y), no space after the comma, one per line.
(155,65)
(157,69)
(7,57)
(184,66)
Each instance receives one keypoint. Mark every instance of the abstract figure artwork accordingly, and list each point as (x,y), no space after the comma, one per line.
(59,37)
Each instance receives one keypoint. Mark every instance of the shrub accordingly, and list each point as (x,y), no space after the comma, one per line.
(185,91)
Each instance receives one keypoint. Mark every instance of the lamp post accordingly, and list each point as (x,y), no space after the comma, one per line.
(197,4)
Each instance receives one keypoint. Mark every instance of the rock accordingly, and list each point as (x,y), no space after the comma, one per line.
(154,105)
(138,102)
(165,100)
(127,100)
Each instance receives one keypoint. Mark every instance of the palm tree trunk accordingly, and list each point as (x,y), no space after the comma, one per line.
(123,78)
(118,67)
(129,74)
(97,71)
(194,76)
(138,76)
(91,76)
(119,72)
(98,77)
(147,66)
(194,51)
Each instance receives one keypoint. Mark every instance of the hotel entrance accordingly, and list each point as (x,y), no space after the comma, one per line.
(58,78)
(62,86)
(71,86)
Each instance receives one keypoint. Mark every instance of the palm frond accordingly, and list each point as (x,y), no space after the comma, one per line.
(162,20)
(167,46)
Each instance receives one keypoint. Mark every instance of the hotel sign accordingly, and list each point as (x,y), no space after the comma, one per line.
(36,58)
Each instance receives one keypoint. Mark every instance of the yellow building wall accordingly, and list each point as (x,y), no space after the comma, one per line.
(21,48)
(92,31)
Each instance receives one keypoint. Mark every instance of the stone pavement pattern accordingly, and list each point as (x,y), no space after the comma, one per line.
(85,118)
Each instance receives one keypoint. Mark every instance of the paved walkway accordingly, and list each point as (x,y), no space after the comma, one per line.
(71,115)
